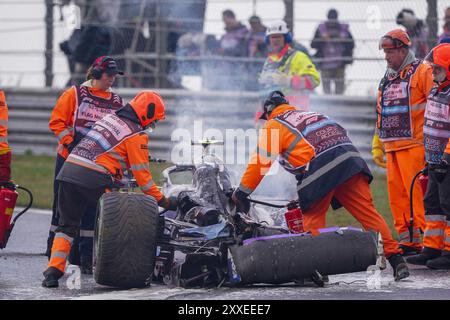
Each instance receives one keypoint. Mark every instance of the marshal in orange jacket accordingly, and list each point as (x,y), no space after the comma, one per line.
(276,139)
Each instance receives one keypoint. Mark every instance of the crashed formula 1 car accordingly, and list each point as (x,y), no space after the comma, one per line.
(135,244)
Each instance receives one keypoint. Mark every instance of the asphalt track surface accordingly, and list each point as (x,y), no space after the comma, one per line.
(22,263)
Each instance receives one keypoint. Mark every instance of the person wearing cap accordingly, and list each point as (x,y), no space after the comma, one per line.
(116,143)
(334,43)
(328,167)
(5,150)
(286,68)
(72,117)
(402,96)
(436,240)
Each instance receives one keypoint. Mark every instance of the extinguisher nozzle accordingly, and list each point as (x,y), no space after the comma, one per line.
(6,237)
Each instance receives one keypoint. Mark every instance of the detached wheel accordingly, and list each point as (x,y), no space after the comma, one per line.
(125,240)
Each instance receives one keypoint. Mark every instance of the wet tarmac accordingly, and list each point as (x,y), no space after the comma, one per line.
(22,263)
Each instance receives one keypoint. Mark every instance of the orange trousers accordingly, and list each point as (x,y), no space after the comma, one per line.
(402,165)
(60,251)
(356,197)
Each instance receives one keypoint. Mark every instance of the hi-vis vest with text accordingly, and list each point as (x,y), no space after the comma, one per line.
(103,137)
(90,109)
(318,130)
(395,121)
(436,130)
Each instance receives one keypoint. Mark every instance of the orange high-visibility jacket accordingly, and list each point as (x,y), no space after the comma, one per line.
(62,118)
(128,151)
(276,139)
(420,84)
(4,147)
(132,153)
(311,146)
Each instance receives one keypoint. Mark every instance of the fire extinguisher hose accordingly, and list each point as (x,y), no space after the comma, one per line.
(30,203)
(267,204)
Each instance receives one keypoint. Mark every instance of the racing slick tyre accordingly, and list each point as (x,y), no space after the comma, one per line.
(125,240)
(285,258)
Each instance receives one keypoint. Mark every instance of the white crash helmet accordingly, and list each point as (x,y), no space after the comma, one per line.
(277,27)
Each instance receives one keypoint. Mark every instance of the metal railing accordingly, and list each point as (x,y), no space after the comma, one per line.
(30,110)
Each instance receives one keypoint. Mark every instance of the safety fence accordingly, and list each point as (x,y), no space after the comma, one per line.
(146,37)
(189,116)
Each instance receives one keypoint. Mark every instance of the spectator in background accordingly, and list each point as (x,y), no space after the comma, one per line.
(417,32)
(189,45)
(256,48)
(99,34)
(334,44)
(446,27)
(231,44)
(68,48)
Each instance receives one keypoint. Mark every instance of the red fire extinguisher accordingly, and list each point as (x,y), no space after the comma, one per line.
(8,198)
(423,180)
(294,217)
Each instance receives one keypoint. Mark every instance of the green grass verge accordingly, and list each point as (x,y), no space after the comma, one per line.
(36,174)
(342,217)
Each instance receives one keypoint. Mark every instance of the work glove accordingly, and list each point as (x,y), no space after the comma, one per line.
(378,152)
(170,203)
(67,142)
(305,82)
(240,198)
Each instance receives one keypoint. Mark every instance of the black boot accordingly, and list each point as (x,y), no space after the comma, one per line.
(422,258)
(51,277)
(440,263)
(398,263)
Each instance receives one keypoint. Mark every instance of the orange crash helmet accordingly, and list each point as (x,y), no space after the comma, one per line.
(440,56)
(149,107)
